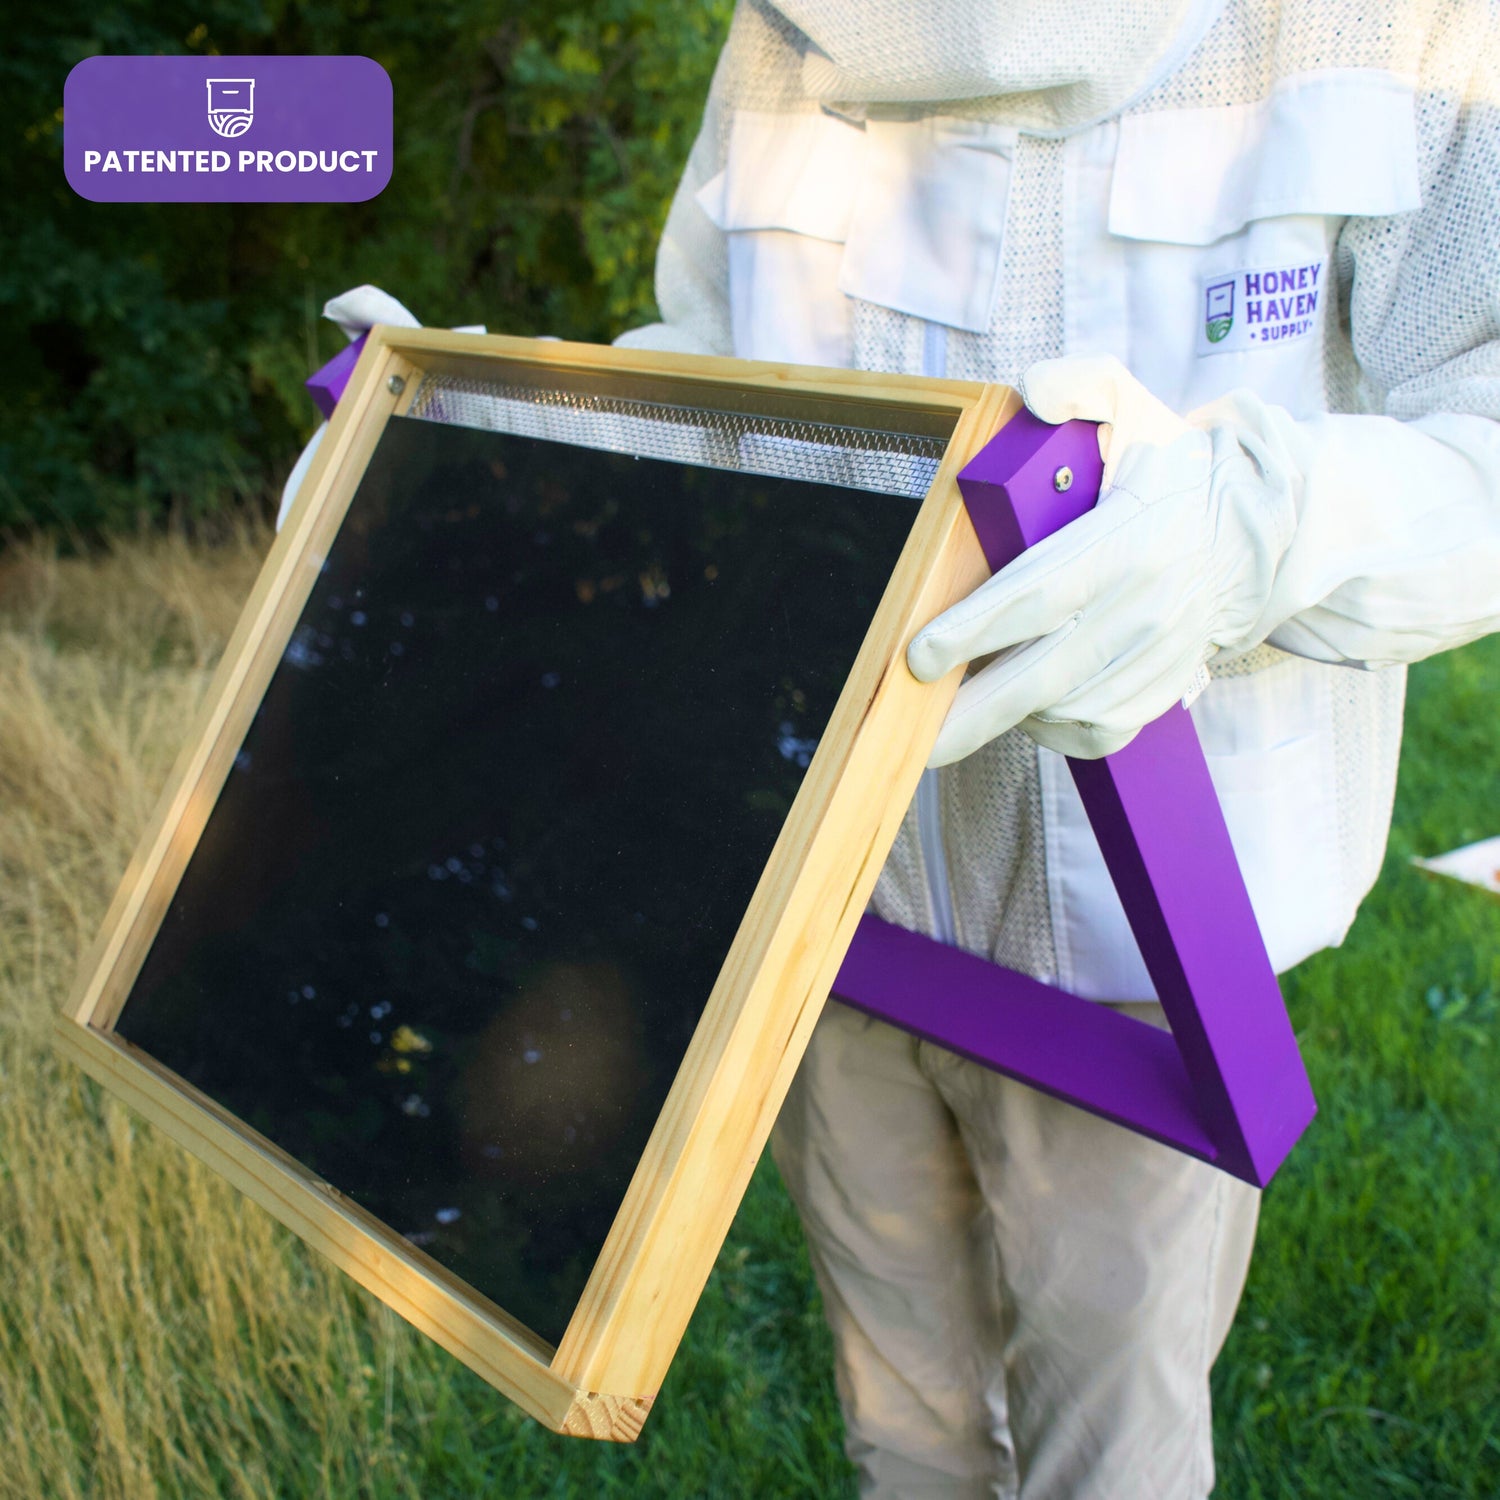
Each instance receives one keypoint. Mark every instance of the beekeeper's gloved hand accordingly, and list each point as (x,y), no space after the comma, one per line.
(1107,623)
(356,312)
(1343,538)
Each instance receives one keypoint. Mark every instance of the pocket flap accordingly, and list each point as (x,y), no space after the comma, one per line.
(927,229)
(793,172)
(1343,141)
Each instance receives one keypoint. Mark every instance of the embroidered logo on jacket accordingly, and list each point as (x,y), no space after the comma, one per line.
(1259,306)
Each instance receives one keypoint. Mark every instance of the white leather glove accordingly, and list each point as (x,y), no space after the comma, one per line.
(1350,539)
(356,311)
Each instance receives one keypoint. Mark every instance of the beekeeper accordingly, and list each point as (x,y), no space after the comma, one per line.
(1280,221)
(1258,241)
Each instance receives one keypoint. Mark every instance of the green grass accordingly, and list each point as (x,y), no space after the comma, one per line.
(161,1337)
(1366,1357)
(747,1410)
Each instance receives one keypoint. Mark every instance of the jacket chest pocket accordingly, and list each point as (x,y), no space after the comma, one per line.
(819,214)
(784,201)
(1205,237)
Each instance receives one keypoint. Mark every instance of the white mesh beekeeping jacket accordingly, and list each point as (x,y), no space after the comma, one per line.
(1056,64)
(1412,330)
(1417,350)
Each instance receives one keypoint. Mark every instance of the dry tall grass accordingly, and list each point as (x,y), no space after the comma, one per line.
(158,1335)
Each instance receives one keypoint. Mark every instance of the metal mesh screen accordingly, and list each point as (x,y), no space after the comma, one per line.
(888,463)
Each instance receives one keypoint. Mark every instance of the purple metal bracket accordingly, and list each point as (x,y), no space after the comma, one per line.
(1227,1085)
(325,386)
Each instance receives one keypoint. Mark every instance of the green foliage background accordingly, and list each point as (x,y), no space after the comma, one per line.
(156,352)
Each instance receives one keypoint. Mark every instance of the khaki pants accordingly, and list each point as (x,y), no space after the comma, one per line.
(1024,1299)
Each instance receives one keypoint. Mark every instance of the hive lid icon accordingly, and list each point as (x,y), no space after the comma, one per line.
(1219,316)
(231,106)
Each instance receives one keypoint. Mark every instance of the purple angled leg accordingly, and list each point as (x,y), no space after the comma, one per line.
(1233,1091)
(326,385)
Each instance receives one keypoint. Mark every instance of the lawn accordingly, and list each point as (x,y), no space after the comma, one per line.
(161,1337)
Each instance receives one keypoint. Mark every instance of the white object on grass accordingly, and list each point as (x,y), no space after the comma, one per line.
(1474,864)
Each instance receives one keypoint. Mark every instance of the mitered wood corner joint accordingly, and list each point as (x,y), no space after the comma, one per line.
(610,1419)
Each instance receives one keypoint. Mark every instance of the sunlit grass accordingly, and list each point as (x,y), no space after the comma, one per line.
(1366,1359)
(157,1334)
(161,1337)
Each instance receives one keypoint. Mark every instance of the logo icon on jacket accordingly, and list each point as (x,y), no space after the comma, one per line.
(231,106)
(1255,307)
(1218,318)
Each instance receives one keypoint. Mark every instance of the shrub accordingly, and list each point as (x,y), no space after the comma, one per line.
(158,350)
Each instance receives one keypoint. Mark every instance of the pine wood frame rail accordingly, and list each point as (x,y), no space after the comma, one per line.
(604,1373)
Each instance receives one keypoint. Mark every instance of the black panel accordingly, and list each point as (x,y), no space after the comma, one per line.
(464,895)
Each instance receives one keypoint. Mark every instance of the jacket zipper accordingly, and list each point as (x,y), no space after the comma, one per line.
(929,806)
(934,863)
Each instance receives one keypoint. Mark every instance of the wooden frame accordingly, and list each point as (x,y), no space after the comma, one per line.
(602,1377)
